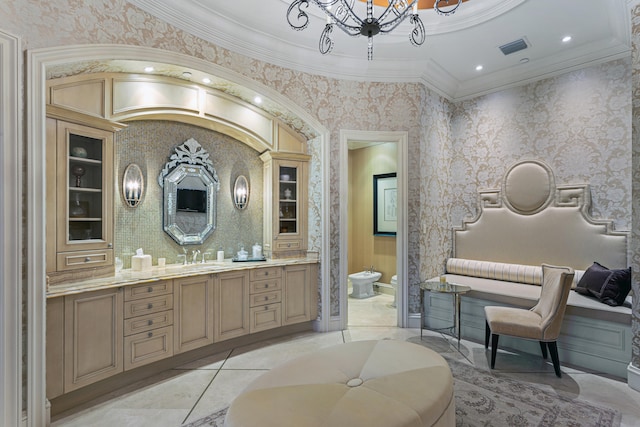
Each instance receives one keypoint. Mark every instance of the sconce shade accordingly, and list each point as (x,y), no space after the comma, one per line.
(241,192)
(132,185)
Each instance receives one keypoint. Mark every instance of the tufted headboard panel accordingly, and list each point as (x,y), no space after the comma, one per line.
(531,221)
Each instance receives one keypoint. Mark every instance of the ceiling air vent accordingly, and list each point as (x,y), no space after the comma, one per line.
(514,46)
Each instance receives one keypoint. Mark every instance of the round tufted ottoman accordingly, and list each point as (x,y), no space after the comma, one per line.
(362,383)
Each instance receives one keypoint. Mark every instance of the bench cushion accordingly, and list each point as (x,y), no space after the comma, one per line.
(523,295)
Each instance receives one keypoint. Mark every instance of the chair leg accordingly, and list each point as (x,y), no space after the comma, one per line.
(543,347)
(487,332)
(494,349)
(553,349)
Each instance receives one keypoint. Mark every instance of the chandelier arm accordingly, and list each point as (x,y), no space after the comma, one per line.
(343,8)
(340,18)
(326,43)
(393,7)
(301,15)
(418,34)
(448,12)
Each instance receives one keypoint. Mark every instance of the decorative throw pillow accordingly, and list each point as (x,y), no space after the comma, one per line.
(609,286)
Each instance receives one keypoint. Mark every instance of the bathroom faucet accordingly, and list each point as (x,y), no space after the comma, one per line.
(195,253)
(369,269)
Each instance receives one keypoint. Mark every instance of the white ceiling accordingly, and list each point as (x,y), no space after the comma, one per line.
(446,62)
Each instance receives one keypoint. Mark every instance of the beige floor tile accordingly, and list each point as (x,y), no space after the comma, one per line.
(268,354)
(173,391)
(373,311)
(127,418)
(224,388)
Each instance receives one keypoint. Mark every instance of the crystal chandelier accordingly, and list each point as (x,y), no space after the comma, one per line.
(346,19)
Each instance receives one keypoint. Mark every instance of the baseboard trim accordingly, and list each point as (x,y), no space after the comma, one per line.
(414,320)
(633,377)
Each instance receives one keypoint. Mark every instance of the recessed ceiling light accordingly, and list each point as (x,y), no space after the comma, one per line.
(524,60)
(257,100)
(206,80)
(479,67)
(566,39)
(148,69)
(186,75)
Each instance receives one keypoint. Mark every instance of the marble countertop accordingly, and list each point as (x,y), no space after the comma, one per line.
(172,271)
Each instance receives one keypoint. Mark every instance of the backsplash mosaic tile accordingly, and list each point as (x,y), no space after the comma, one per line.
(149,144)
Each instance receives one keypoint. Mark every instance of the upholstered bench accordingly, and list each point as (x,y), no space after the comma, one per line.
(362,383)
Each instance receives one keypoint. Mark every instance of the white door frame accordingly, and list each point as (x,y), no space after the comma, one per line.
(37,62)
(11,231)
(400,138)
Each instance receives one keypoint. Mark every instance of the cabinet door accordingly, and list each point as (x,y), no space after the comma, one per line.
(93,324)
(291,196)
(193,312)
(84,189)
(232,305)
(296,296)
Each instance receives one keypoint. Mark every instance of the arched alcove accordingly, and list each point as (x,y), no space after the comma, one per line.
(45,63)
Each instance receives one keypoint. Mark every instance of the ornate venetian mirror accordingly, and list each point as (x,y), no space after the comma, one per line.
(190,185)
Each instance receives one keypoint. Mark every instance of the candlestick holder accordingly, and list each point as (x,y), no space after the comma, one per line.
(78,171)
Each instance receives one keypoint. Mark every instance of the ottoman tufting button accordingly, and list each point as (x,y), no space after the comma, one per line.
(354,382)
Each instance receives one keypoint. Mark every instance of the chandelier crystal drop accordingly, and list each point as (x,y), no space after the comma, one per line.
(341,13)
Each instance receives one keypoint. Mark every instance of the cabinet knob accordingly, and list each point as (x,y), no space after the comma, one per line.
(150,322)
(109,245)
(150,334)
(266,273)
(149,289)
(266,307)
(266,286)
(288,245)
(266,298)
(87,259)
(150,305)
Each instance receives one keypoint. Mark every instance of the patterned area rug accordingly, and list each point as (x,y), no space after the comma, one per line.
(492,400)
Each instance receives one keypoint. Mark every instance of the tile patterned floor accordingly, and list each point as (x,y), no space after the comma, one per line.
(192,391)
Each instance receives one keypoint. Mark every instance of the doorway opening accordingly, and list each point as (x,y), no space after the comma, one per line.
(373,228)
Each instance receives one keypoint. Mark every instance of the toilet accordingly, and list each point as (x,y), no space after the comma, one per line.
(394,284)
(362,283)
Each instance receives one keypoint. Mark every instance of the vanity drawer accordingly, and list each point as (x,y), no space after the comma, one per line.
(148,290)
(288,245)
(148,305)
(85,259)
(265,317)
(135,325)
(265,285)
(265,298)
(146,347)
(265,273)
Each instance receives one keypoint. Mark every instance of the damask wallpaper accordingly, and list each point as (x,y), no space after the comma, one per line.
(579,123)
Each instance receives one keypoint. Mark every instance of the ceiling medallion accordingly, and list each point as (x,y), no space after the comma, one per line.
(344,16)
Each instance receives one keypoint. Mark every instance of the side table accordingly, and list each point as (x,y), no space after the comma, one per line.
(447,288)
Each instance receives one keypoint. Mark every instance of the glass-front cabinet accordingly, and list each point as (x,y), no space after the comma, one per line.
(79,197)
(285,181)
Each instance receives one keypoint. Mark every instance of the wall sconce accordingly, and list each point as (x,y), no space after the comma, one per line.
(241,192)
(132,185)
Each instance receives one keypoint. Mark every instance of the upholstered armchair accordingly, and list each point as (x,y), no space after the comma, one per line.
(541,323)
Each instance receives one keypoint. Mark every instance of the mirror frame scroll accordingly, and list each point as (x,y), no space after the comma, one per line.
(190,160)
